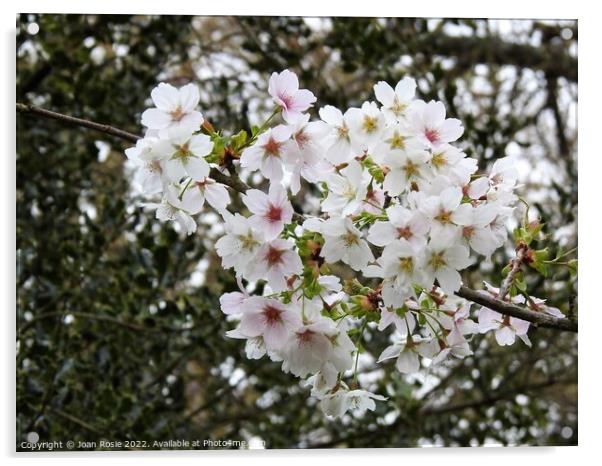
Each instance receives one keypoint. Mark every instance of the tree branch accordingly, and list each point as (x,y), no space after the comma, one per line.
(554,60)
(232,181)
(539,319)
(107,129)
(494,397)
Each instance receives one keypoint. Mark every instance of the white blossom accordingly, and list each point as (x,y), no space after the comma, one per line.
(396,102)
(343,242)
(347,190)
(184,154)
(443,260)
(239,245)
(284,88)
(175,109)
(207,189)
(336,404)
(334,129)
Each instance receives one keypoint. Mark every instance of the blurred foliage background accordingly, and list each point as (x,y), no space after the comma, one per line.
(119,331)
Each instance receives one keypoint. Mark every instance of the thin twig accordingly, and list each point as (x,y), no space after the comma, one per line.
(493,398)
(107,129)
(77,421)
(515,267)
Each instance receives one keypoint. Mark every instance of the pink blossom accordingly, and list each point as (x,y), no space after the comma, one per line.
(270,319)
(275,261)
(271,211)
(431,125)
(268,151)
(284,89)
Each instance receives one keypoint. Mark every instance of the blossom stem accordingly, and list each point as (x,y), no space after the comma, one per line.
(564,254)
(435,333)
(430,309)
(184,189)
(261,129)
(528,207)
(357,354)
(375,206)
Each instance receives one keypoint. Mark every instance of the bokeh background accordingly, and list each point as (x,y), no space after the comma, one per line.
(119,332)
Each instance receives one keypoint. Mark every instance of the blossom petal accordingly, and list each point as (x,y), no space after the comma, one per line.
(197,168)
(189,97)
(165,97)
(154,118)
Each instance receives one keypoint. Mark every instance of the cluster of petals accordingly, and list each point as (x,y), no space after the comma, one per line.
(401,206)
(170,161)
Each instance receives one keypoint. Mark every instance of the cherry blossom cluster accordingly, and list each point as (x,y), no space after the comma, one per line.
(401,207)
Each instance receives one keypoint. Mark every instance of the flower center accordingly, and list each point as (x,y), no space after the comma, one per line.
(302,138)
(369,124)
(437,260)
(431,134)
(182,151)
(497,179)
(405,232)
(350,238)
(177,114)
(247,242)
(274,213)
(154,166)
(468,231)
(287,100)
(343,132)
(274,256)
(444,216)
(272,315)
(398,108)
(439,160)
(349,192)
(304,337)
(397,141)
(411,169)
(272,147)
(406,264)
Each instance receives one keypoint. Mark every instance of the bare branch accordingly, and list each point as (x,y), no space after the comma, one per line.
(107,129)
(554,60)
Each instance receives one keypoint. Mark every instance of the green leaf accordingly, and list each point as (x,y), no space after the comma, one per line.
(539,261)
(239,140)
